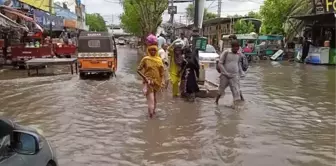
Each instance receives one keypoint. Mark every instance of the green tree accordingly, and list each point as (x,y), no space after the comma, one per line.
(274,14)
(254,15)
(96,22)
(142,17)
(191,10)
(300,7)
(235,16)
(243,27)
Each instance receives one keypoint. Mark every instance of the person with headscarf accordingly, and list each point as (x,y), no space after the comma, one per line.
(165,60)
(151,69)
(176,59)
(190,73)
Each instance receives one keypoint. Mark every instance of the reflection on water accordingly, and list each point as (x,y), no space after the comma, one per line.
(289,118)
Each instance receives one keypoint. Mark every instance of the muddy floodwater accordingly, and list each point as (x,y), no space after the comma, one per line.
(288,119)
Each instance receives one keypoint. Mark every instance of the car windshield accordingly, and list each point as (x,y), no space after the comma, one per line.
(209,49)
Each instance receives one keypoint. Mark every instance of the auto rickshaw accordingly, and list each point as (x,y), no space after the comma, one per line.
(251,40)
(97,54)
(243,39)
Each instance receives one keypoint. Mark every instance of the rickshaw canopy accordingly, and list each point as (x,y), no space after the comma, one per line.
(252,36)
(271,37)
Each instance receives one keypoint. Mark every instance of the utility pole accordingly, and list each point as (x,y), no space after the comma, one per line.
(172,21)
(219,11)
(195,32)
(50,20)
(112,23)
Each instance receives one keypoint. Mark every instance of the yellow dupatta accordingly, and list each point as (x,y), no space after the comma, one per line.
(153,62)
(173,67)
(156,59)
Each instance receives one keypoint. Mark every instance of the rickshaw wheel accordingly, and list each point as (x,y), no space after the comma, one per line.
(82,75)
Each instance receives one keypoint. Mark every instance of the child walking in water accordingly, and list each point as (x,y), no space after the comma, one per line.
(151,69)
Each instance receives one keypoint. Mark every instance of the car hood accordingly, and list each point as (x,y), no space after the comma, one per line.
(208,55)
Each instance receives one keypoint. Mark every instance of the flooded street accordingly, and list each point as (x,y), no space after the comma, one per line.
(289,118)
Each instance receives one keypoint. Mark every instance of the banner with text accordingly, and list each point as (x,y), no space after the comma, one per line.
(70,23)
(43,19)
(39,4)
(66,13)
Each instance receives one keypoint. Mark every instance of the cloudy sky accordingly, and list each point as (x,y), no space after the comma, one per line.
(110,9)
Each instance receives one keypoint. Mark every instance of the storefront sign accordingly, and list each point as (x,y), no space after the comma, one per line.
(330,5)
(43,19)
(318,7)
(39,4)
(78,11)
(70,23)
(66,13)
(83,12)
(58,23)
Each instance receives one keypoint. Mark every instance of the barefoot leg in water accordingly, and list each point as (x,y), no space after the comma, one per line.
(151,103)
(237,105)
(217,99)
(154,103)
(241,96)
(223,84)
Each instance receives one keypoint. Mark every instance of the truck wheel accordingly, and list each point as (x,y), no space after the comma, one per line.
(82,75)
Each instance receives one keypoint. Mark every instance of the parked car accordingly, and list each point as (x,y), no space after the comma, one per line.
(121,41)
(24,146)
(209,56)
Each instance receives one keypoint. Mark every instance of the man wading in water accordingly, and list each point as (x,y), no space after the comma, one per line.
(230,68)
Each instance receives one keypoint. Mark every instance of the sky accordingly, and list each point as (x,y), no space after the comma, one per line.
(111,9)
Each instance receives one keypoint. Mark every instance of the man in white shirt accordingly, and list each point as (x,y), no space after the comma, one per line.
(161,40)
(184,39)
(164,56)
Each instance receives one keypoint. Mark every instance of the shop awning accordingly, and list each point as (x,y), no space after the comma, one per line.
(312,17)
(9,23)
(21,15)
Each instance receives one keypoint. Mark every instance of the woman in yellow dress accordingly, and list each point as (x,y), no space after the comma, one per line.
(176,59)
(151,69)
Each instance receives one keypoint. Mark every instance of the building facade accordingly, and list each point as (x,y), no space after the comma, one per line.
(214,29)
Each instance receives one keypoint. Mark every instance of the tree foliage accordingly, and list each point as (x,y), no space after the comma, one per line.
(142,17)
(96,22)
(292,26)
(243,27)
(191,10)
(274,14)
(254,15)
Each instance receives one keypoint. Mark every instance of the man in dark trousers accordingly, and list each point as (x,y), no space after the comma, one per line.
(305,49)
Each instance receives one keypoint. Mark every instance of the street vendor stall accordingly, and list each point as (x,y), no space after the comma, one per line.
(8,31)
(320,32)
(31,44)
(60,47)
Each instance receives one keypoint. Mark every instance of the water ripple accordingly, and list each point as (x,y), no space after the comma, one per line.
(289,119)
